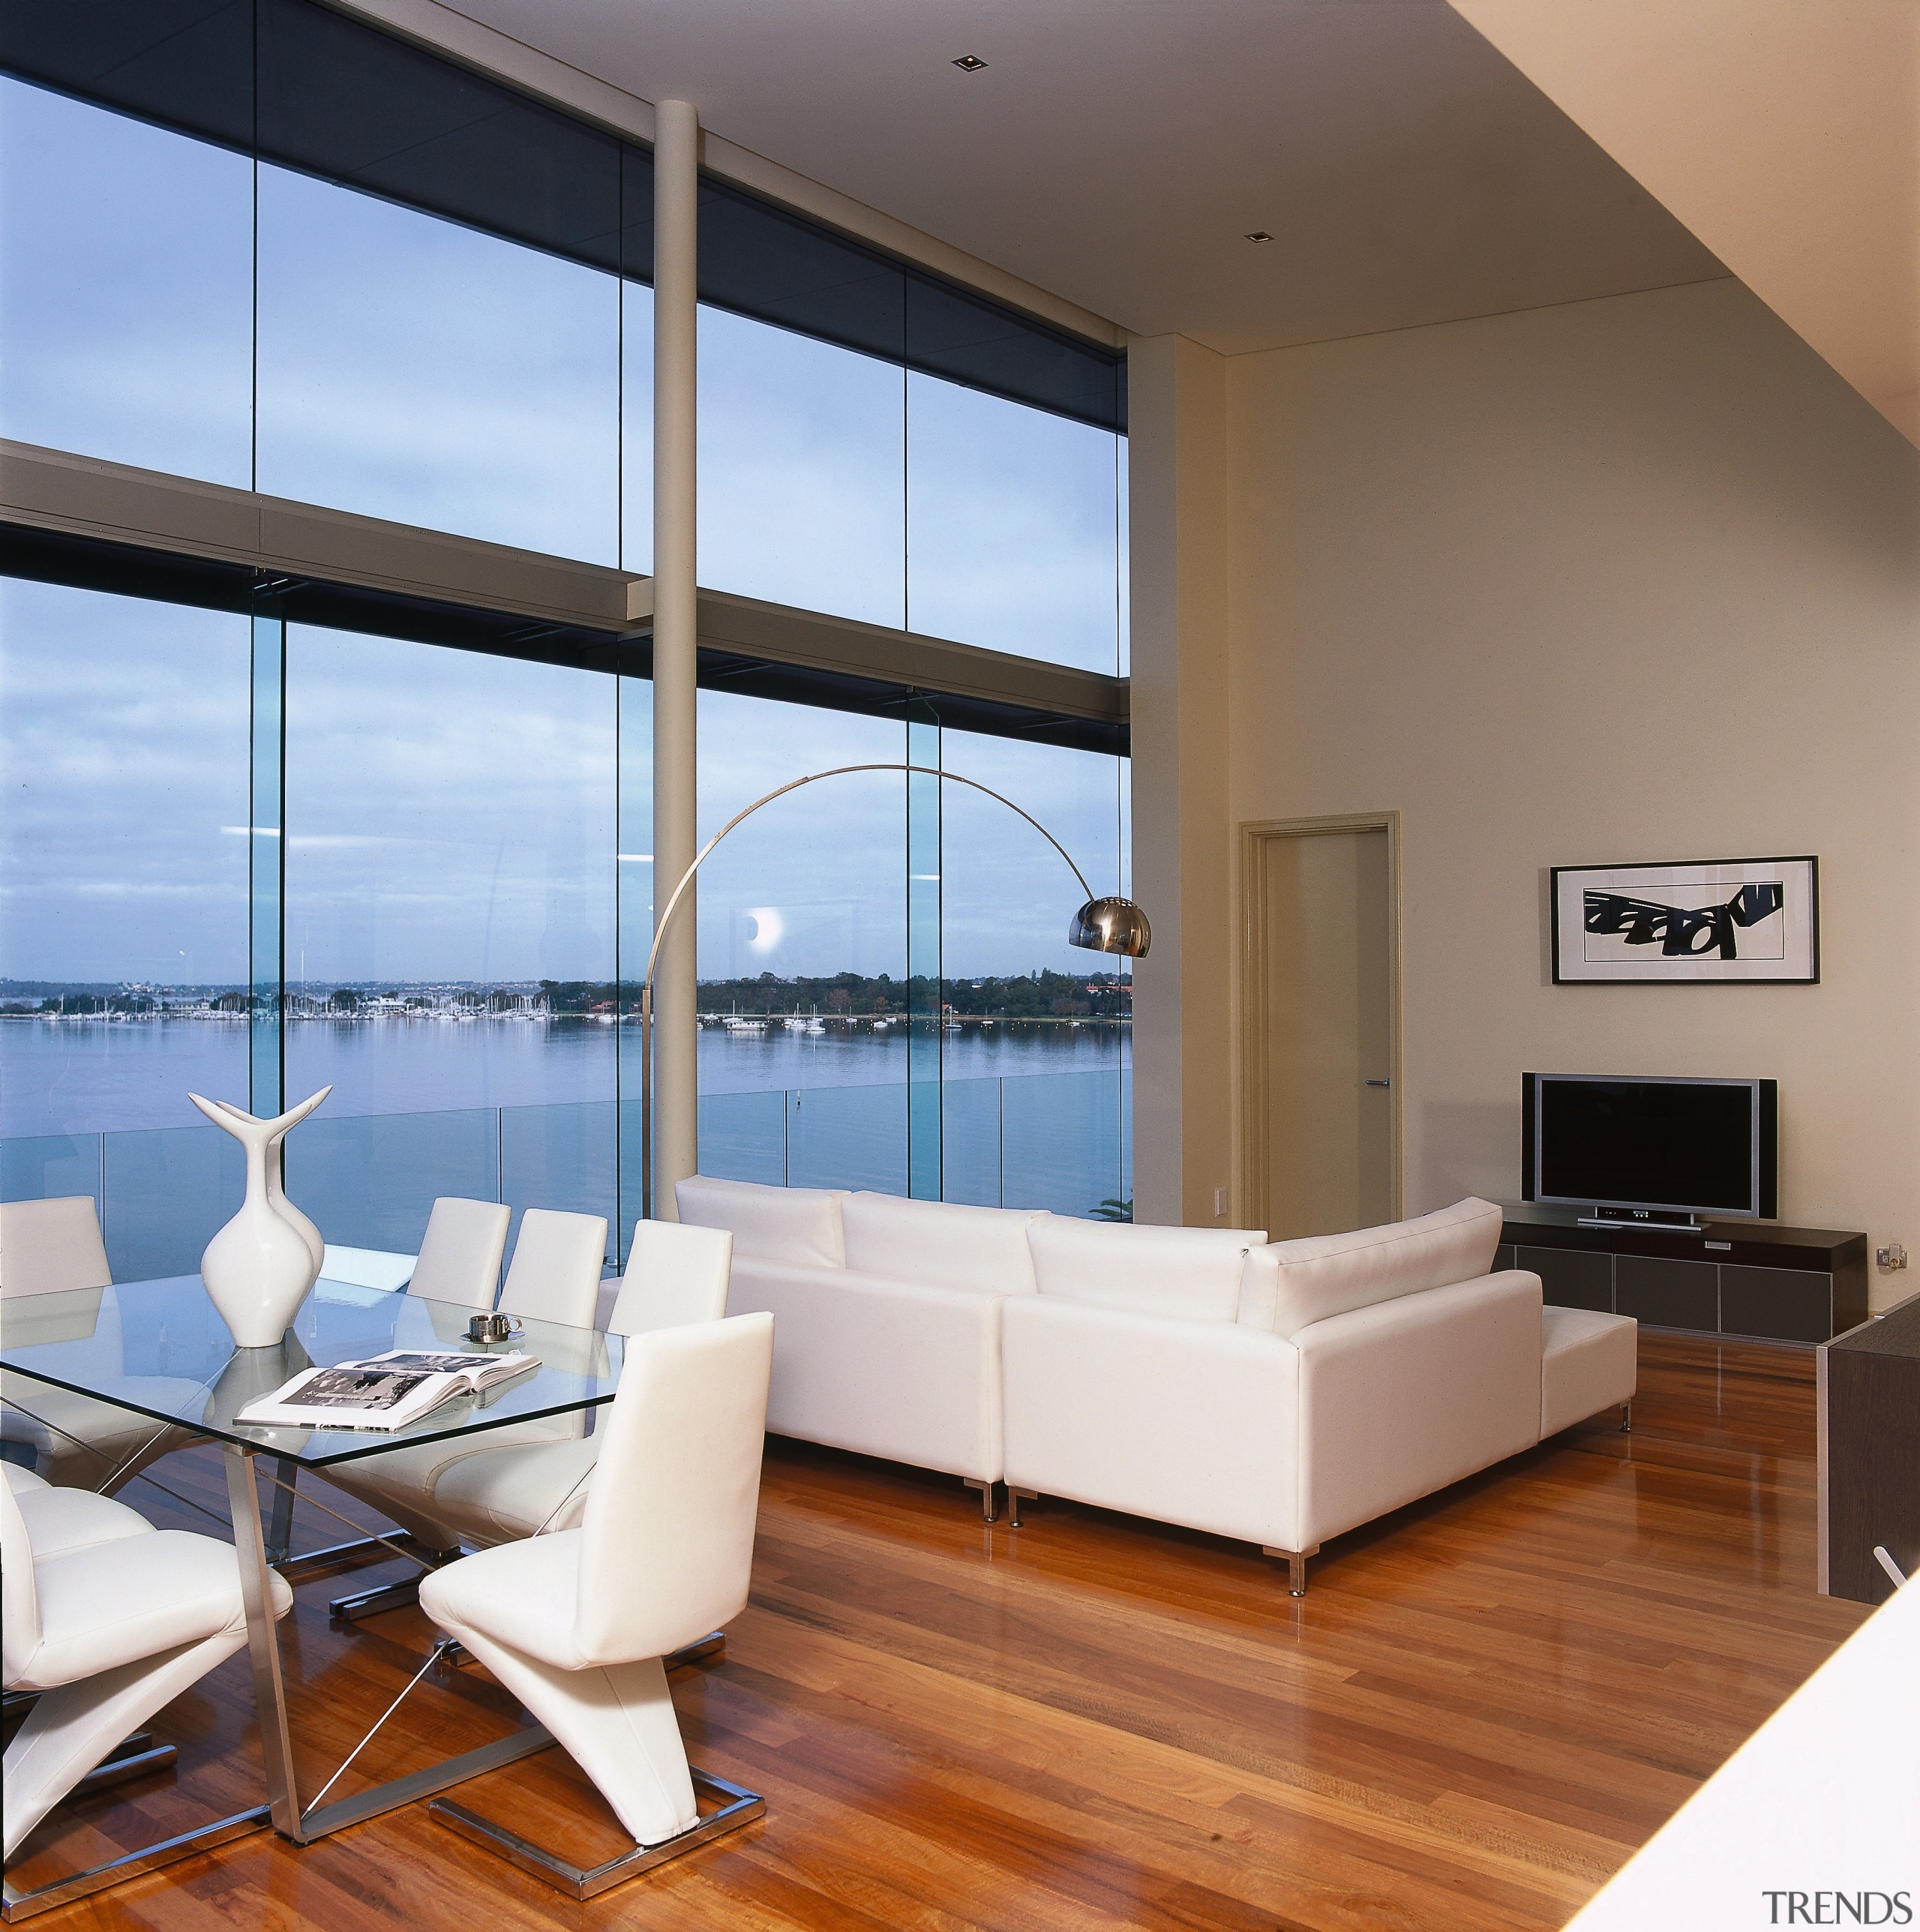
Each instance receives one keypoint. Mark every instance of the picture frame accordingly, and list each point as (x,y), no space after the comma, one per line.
(1707,922)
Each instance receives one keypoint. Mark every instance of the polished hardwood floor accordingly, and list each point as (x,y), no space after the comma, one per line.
(1484,1704)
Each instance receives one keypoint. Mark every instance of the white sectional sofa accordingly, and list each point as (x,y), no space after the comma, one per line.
(1280,1393)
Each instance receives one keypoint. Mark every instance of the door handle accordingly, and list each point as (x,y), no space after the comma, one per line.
(1379,1083)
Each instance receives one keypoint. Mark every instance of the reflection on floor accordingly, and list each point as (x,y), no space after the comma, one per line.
(1484,1705)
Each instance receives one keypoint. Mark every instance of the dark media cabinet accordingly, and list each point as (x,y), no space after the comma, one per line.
(1750,1278)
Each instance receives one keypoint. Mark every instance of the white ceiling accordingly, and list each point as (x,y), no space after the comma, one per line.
(1116,152)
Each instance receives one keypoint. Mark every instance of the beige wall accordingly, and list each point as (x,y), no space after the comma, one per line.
(1634,579)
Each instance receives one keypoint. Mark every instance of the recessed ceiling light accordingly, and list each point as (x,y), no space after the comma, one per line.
(1259,235)
(969,63)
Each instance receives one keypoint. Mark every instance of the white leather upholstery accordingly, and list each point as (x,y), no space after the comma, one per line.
(1588,1361)
(1294,1283)
(460,1253)
(574,1625)
(883,1367)
(404,1482)
(59,1520)
(675,1273)
(1193,1274)
(48,1246)
(54,1248)
(557,1264)
(109,1632)
(367,1267)
(1402,1398)
(799,1226)
(1188,1422)
(937,1244)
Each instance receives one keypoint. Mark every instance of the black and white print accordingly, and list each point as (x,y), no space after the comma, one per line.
(1711,922)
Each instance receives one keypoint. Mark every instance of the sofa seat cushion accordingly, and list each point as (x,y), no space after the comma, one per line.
(1293,1284)
(1589,1362)
(981,1250)
(1192,1273)
(798,1225)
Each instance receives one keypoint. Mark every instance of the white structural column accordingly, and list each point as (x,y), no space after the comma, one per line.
(1182,1045)
(676,297)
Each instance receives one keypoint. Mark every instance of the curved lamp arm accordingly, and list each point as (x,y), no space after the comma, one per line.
(686,878)
(813,778)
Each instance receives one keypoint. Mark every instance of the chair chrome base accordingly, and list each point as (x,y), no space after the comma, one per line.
(18,1905)
(741,1807)
(385,1596)
(133,1757)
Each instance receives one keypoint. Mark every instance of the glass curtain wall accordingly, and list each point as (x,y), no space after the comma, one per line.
(422,876)
(251,858)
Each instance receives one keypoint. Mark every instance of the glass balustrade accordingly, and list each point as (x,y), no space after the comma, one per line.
(1053,1140)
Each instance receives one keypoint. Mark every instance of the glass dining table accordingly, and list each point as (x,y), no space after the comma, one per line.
(158,1350)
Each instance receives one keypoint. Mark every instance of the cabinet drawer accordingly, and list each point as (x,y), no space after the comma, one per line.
(1783,1304)
(1571,1277)
(1667,1294)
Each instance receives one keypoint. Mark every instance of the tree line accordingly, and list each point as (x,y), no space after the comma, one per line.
(1040,995)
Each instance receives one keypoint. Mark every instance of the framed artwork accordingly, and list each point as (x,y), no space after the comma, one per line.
(1712,922)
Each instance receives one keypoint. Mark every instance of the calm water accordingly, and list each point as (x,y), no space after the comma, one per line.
(95,1076)
(528,1113)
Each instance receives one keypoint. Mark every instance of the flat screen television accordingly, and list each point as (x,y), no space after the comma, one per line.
(1651,1149)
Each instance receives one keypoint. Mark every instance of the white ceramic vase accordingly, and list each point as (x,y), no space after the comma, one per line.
(276,1170)
(259,1267)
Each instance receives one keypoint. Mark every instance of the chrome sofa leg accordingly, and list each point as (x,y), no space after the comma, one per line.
(1015,1498)
(1296,1563)
(986,1490)
(1626,1418)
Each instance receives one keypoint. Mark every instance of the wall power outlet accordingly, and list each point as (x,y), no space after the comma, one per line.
(1891,1257)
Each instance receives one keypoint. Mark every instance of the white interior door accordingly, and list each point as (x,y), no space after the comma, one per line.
(1324,949)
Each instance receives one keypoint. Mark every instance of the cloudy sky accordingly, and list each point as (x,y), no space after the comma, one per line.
(462,816)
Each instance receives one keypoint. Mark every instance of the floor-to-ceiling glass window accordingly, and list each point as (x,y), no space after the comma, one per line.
(416,370)
(127,293)
(1036,1033)
(270,246)
(450,928)
(1013,527)
(123,763)
(803,948)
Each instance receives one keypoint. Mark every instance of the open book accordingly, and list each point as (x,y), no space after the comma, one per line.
(383,1392)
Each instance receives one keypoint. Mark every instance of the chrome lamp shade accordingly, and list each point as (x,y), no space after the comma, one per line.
(1112,925)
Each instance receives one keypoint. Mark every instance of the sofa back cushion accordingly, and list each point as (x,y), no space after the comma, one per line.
(1293,1284)
(798,1226)
(940,1244)
(1190,1273)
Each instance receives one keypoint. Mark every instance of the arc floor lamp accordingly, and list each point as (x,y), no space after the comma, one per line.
(1109,924)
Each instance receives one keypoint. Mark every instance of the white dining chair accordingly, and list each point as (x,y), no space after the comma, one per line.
(106,1633)
(460,1253)
(58,1520)
(554,1278)
(55,1248)
(676,1275)
(576,1624)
